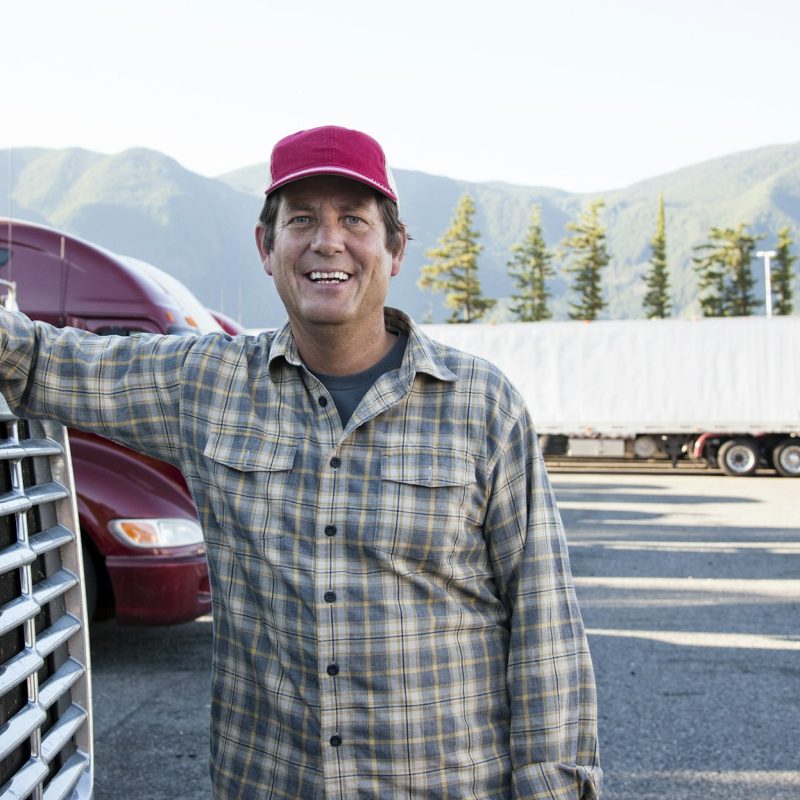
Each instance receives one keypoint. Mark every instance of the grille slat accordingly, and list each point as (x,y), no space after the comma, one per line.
(47,493)
(16,556)
(13,614)
(47,590)
(62,732)
(19,668)
(25,781)
(57,634)
(68,776)
(60,683)
(35,448)
(51,539)
(10,449)
(14,503)
(20,727)
(32,448)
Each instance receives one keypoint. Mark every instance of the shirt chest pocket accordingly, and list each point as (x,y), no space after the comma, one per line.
(426,508)
(251,483)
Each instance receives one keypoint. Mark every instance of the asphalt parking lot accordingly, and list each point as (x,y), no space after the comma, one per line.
(690,590)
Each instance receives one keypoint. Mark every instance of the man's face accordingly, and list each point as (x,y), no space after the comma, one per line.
(329,261)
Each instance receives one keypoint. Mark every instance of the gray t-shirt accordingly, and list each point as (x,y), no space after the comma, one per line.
(347,391)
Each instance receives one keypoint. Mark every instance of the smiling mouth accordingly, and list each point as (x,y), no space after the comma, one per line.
(328,277)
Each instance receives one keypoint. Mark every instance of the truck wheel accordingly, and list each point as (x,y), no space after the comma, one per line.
(738,457)
(786,458)
(645,447)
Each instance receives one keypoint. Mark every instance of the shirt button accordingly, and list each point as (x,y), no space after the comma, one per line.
(332,669)
(330,530)
(335,740)
(336,462)
(323,401)
(329,597)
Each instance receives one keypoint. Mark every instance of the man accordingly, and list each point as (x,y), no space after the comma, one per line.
(394,615)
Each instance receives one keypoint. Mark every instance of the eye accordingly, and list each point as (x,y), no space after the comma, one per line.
(300,219)
(352,219)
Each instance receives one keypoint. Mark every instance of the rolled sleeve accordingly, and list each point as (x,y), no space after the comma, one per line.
(550,677)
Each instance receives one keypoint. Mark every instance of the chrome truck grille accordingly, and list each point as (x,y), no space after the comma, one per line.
(45,694)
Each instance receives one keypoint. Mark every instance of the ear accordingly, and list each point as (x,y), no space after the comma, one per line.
(263,253)
(399,254)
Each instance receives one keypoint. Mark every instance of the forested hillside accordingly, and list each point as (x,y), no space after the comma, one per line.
(200,229)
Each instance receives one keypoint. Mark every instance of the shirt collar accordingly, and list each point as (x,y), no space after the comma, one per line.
(283,346)
(422,353)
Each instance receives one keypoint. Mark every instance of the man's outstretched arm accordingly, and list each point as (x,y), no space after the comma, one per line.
(125,388)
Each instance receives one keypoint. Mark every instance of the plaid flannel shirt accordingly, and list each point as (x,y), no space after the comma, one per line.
(394,614)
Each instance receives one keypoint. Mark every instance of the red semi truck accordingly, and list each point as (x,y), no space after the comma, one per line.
(143,545)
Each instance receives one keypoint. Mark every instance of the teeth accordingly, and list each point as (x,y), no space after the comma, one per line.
(329,277)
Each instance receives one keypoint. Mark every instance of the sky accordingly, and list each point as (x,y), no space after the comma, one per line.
(582,95)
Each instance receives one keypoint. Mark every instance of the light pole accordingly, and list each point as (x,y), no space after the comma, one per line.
(767,255)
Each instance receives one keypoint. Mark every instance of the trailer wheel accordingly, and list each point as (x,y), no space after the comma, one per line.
(738,457)
(786,458)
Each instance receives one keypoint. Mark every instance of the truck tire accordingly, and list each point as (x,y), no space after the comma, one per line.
(738,457)
(786,458)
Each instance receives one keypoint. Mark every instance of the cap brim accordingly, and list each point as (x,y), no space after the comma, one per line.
(310,172)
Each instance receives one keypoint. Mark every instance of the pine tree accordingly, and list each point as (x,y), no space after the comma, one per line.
(454,267)
(530,268)
(656,301)
(782,273)
(724,267)
(589,255)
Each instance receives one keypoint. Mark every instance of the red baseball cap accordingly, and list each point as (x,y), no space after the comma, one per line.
(330,150)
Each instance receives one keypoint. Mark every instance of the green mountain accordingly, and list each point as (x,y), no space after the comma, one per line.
(144,204)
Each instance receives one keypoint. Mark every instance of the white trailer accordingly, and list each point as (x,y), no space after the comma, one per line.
(726,390)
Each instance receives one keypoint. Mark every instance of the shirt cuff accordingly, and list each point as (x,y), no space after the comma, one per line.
(554,781)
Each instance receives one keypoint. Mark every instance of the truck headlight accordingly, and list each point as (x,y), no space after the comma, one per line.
(156,532)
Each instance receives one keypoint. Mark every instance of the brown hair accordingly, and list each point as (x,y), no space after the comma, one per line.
(390,215)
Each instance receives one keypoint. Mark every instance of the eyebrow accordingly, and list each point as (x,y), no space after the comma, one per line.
(305,204)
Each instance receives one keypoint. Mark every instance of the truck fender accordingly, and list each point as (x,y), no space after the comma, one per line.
(114,482)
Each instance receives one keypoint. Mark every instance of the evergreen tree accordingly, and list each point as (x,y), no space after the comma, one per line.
(782,273)
(530,268)
(454,267)
(724,267)
(589,255)
(656,301)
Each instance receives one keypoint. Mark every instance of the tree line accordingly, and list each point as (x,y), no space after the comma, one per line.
(723,265)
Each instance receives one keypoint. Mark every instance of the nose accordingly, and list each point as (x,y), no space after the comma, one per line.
(328,237)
